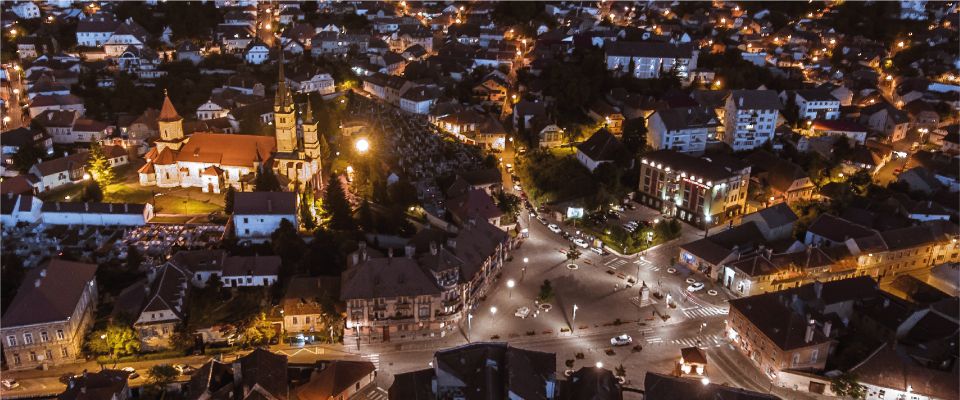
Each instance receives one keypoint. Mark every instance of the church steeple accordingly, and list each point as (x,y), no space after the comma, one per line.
(283,97)
(308,113)
(169,122)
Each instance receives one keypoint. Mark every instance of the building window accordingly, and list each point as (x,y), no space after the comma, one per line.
(11,340)
(796,359)
(44,337)
(814,355)
(16,359)
(49,354)
(33,356)
(27,338)
(64,352)
(294,320)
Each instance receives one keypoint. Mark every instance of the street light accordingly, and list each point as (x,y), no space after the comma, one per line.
(523,271)
(362,145)
(510,284)
(599,364)
(705,381)
(574,319)
(493,310)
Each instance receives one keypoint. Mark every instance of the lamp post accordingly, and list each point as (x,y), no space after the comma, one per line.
(510,284)
(523,271)
(573,321)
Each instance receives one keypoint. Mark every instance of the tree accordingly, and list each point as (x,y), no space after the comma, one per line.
(115,341)
(162,374)
(258,331)
(365,216)
(306,212)
(620,370)
(134,258)
(228,198)
(573,253)
(546,292)
(26,157)
(846,384)
(266,181)
(98,164)
(508,203)
(91,191)
(336,205)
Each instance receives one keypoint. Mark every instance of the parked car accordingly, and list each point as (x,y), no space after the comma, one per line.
(597,250)
(621,340)
(184,369)
(581,243)
(695,286)
(10,383)
(553,228)
(522,312)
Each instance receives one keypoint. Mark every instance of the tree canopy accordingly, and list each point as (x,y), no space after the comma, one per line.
(336,205)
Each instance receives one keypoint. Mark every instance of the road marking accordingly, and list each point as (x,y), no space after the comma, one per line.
(655,339)
(703,312)
(374,358)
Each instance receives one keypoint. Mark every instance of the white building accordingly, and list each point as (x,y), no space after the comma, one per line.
(751,118)
(685,130)
(99,214)
(256,53)
(93,31)
(127,34)
(315,82)
(816,104)
(418,100)
(26,10)
(646,60)
(256,215)
(22,208)
(211,110)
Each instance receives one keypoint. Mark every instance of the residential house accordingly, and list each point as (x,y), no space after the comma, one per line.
(610,116)
(94,30)
(26,10)
(260,374)
(602,147)
(257,214)
(750,118)
(780,180)
(887,254)
(795,329)
(703,191)
(56,102)
(427,291)
(106,384)
(303,304)
(883,117)
(13,140)
(647,60)
(340,379)
(189,51)
(60,171)
(667,387)
(211,110)
(19,207)
(684,130)
(815,104)
(164,308)
(855,133)
(306,81)
(486,370)
(419,99)
(127,34)
(48,318)
(256,53)
(551,136)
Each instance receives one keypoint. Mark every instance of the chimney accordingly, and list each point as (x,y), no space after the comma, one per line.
(818,288)
(826,328)
(126,207)
(86,206)
(809,336)
(409,250)
(740,101)
(433,248)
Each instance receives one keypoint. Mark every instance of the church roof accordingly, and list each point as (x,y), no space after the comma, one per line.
(167,112)
(227,149)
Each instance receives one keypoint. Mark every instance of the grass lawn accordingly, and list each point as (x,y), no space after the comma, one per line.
(207,308)
(555,176)
(177,219)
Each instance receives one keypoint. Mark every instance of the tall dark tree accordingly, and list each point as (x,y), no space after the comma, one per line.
(336,205)
(266,181)
(91,191)
(228,198)
(26,157)
(365,216)
(306,212)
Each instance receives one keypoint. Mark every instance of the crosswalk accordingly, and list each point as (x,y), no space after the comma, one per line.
(704,312)
(702,342)
(615,263)
(374,358)
(371,392)
(647,264)
(648,336)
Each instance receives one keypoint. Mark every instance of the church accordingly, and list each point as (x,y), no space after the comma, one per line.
(213,161)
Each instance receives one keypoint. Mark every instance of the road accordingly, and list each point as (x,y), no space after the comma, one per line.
(14,115)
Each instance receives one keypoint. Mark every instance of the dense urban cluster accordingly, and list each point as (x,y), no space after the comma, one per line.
(263,199)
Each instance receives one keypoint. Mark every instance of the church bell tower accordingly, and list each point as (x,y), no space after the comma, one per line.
(284,115)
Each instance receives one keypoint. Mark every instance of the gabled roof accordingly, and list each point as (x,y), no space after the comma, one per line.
(168,113)
(837,229)
(278,203)
(334,379)
(106,384)
(665,387)
(886,368)
(756,100)
(591,383)
(227,149)
(603,146)
(675,119)
(49,293)
(62,164)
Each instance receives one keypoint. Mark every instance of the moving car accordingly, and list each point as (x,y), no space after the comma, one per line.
(133,372)
(553,228)
(184,369)
(10,383)
(581,243)
(621,340)
(522,312)
(695,286)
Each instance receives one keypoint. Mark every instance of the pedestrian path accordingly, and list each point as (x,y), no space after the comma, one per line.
(704,312)
(647,264)
(371,392)
(374,358)
(702,342)
(647,335)
(615,263)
